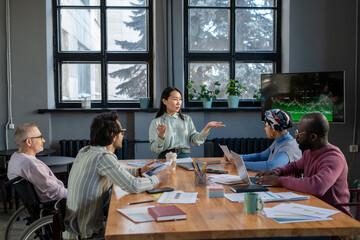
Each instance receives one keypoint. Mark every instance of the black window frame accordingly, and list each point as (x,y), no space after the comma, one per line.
(103,57)
(232,57)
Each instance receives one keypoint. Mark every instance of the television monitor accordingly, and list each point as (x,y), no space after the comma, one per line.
(303,93)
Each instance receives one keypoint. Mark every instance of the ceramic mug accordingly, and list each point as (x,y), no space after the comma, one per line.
(252,202)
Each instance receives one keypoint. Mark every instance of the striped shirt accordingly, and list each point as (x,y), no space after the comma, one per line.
(179,133)
(92,174)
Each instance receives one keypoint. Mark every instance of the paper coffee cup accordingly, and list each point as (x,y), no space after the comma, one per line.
(171,156)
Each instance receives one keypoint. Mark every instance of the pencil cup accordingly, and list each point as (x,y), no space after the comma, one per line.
(200,180)
(252,202)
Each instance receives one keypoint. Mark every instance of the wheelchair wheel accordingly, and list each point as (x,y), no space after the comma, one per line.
(17,223)
(40,229)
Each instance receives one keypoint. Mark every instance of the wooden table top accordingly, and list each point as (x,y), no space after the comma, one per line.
(214,218)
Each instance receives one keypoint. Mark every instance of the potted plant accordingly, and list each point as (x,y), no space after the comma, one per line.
(85,100)
(204,94)
(234,89)
(257,95)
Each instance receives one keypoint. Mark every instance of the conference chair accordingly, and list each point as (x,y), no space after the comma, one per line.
(356,204)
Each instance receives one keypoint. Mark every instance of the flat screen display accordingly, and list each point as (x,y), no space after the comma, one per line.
(303,93)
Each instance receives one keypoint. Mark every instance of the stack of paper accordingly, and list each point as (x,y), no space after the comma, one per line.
(140,164)
(225,179)
(268,196)
(293,212)
(178,197)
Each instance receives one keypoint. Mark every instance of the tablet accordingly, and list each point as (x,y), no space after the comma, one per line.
(157,169)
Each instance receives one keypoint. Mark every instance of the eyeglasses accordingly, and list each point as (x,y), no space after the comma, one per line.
(297,133)
(41,137)
(123,131)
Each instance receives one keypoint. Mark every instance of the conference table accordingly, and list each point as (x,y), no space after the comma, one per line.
(218,218)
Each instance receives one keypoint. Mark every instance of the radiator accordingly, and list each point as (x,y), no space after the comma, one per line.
(241,145)
(70,148)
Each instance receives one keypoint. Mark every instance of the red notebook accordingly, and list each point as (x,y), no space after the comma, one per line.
(166,213)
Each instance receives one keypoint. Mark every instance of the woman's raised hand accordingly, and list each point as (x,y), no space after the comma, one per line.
(213,124)
(162,130)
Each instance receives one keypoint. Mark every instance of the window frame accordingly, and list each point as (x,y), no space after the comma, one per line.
(232,56)
(103,57)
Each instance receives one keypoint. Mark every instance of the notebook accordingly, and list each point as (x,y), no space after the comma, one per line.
(166,213)
(244,176)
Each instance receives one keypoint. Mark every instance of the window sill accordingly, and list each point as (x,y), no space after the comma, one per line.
(151,110)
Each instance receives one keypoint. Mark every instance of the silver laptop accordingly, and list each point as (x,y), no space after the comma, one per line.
(250,186)
(240,166)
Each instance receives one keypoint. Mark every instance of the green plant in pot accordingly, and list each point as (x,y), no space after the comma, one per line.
(235,89)
(204,94)
(257,95)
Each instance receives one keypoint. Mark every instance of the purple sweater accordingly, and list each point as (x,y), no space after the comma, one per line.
(47,186)
(324,175)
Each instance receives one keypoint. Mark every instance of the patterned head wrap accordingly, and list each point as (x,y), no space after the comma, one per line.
(278,119)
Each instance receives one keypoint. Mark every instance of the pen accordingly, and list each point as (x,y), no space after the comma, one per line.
(131,203)
(204,168)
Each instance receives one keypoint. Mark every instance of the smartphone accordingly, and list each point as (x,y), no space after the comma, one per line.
(155,170)
(216,171)
(160,190)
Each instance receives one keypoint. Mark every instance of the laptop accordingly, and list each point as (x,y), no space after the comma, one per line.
(244,176)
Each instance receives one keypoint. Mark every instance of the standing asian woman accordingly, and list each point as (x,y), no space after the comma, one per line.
(172,131)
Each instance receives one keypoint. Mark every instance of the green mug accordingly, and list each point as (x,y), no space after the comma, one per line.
(252,202)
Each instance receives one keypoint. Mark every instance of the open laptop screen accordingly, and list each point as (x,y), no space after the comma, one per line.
(240,166)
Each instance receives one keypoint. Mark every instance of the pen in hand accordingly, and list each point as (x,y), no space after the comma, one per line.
(131,203)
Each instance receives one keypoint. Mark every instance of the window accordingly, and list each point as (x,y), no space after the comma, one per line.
(103,50)
(236,39)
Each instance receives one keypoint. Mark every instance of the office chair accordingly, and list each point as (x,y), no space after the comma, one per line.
(31,212)
(357,203)
(74,228)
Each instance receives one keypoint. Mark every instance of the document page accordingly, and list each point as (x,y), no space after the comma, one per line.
(293,212)
(138,214)
(178,197)
(268,196)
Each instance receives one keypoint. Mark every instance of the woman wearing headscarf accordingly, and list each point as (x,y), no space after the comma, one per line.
(172,131)
(283,150)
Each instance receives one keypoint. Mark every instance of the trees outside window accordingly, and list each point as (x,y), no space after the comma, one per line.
(103,49)
(235,39)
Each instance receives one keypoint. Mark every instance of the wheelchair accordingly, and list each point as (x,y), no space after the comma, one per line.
(34,218)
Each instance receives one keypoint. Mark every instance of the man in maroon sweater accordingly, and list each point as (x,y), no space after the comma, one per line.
(323,166)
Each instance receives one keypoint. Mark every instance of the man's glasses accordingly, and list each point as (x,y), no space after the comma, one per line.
(123,131)
(41,137)
(297,133)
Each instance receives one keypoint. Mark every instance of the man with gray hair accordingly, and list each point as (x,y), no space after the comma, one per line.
(24,163)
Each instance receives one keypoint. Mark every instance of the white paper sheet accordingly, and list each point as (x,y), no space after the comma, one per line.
(268,196)
(178,197)
(225,179)
(293,212)
(137,214)
(184,160)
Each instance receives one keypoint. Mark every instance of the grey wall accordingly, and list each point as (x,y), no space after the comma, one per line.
(322,38)
(317,36)
(3,97)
